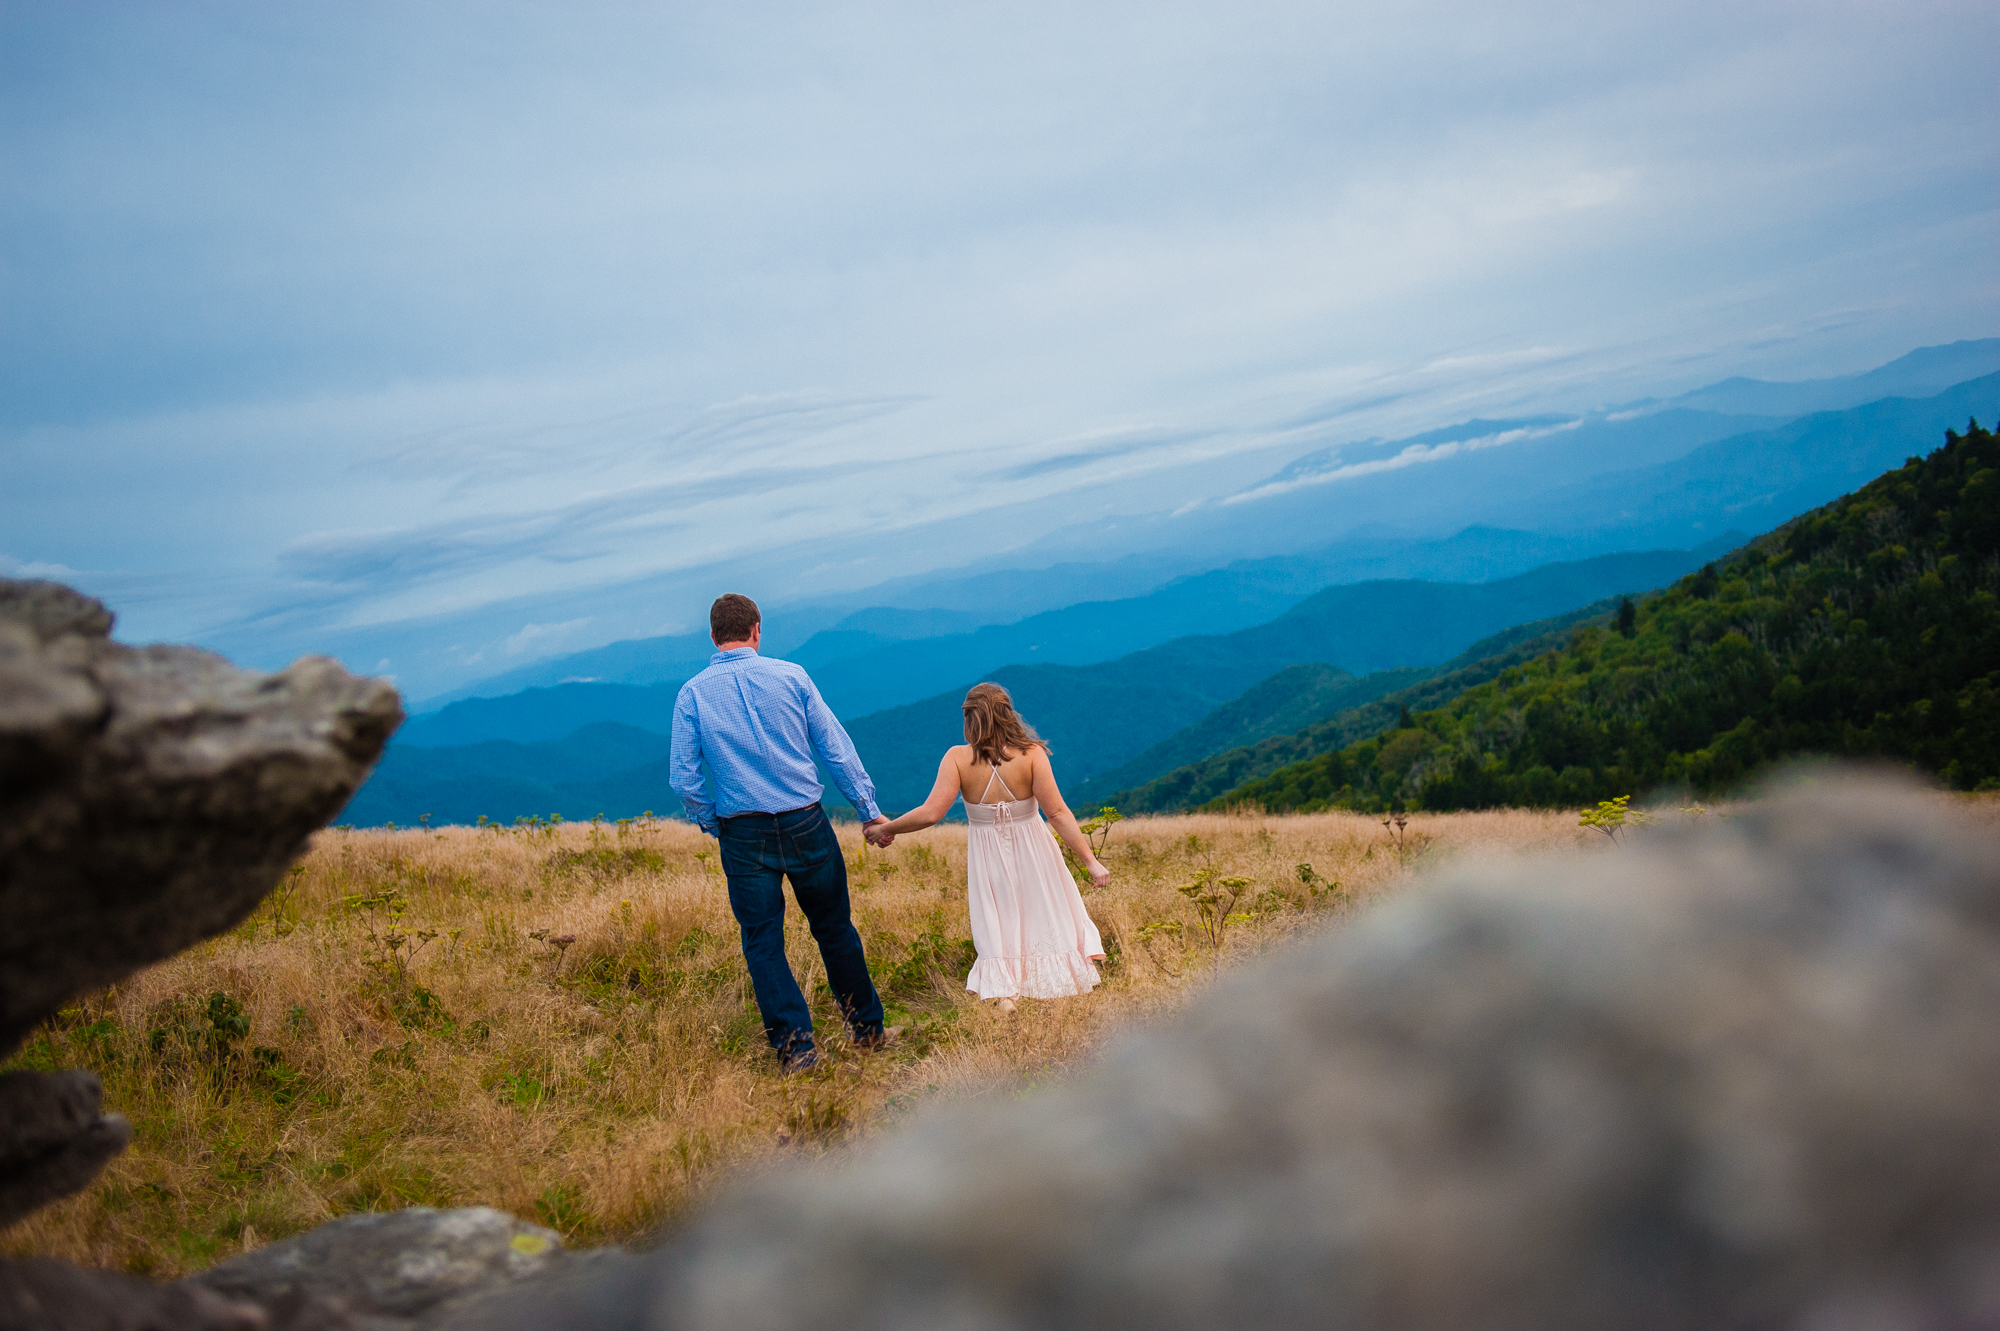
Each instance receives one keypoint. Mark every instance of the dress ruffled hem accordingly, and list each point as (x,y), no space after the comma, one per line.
(1038,975)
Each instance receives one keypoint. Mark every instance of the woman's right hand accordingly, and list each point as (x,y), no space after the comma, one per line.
(1099,875)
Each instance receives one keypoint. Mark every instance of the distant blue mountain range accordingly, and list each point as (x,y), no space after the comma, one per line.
(563,759)
(1157,659)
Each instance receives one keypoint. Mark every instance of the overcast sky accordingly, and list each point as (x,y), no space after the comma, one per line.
(321,319)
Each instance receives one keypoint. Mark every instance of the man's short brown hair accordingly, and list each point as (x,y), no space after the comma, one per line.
(732,617)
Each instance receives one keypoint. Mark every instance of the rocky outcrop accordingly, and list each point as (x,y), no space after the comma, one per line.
(149,798)
(53,1139)
(390,1270)
(1739,1074)
(41,1295)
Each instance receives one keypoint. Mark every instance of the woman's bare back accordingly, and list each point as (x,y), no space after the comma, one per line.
(976,779)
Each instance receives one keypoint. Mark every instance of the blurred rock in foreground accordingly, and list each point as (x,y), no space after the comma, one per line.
(149,798)
(1745,1073)
(390,1269)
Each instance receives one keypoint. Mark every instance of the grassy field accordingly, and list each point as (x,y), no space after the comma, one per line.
(557,1021)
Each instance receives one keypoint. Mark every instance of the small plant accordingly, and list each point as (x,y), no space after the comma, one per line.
(1315,885)
(277,908)
(1164,942)
(536,826)
(521,1089)
(1097,828)
(562,1209)
(206,1039)
(1098,832)
(1394,824)
(1215,899)
(1406,844)
(1613,816)
(391,950)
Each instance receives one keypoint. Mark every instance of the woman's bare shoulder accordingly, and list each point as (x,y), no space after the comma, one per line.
(960,754)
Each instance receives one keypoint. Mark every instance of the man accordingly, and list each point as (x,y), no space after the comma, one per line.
(758,722)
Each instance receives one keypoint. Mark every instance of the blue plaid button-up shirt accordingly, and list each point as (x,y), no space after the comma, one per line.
(758,722)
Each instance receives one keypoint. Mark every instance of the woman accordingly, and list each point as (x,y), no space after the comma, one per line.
(1034,937)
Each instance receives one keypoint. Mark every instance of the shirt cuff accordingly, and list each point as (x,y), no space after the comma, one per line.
(868,810)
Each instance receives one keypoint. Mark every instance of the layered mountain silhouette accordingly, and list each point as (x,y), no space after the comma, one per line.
(1097,715)
(1236,661)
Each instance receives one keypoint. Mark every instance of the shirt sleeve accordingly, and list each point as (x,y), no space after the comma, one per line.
(836,753)
(685,764)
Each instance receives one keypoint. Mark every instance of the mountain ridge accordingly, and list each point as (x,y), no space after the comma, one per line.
(1866,628)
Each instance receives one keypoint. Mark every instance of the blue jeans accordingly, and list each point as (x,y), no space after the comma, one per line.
(759,851)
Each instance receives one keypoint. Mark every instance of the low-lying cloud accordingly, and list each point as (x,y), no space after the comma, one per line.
(1410,455)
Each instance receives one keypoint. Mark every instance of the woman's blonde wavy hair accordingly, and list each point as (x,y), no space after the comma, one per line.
(992,725)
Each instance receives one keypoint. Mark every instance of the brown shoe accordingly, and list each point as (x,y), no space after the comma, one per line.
(880,1040)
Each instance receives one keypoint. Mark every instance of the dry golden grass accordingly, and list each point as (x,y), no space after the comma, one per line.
(558,1022)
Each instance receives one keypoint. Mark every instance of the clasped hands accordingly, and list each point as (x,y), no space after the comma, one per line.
(872,833)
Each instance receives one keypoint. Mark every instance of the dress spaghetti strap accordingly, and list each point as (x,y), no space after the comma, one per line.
(992,775)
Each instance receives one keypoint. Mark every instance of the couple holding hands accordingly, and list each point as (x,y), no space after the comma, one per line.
(757,724)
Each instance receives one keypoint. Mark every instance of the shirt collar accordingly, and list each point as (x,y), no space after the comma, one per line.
(736,654)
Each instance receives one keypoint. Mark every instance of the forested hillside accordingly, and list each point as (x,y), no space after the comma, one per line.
(1362,714)
(1295,697)
(1866,628)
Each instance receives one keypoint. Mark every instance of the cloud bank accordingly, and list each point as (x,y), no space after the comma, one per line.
(440,322)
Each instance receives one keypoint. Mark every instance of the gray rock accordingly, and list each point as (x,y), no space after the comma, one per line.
(149,798)
(393,1267)
(53,1139)
(1740,1074)
(51,610)
(42,1295)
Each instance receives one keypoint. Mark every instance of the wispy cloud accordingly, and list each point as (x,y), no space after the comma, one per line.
(542,635)
(1103,446)
(579,530)
(1410,455)
(32,568)
(656,434)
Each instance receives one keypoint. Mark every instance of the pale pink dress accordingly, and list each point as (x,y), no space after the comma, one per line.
(1034,937)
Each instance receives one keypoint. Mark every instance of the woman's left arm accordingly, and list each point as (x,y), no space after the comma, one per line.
(932,810)
(1057,812)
